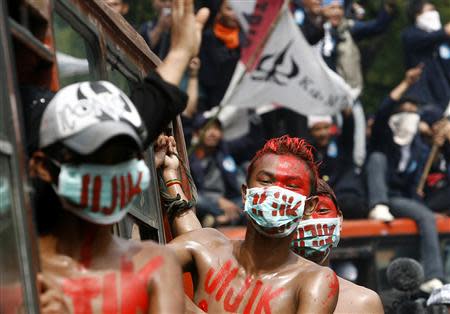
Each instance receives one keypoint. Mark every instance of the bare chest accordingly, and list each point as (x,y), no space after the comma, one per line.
(116,291)
(225,287)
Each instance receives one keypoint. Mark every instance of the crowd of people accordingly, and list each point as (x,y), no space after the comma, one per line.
(348,139)
(375,165)
(87,168)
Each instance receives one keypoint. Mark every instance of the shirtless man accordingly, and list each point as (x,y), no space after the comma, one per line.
(309,243)
(259,274)
(90,157)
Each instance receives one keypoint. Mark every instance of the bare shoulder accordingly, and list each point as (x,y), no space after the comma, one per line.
(149,250)
(312,270)
(206,237)
(318,288)
(312,274)
(357,299)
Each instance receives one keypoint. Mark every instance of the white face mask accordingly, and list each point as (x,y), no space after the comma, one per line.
(274,211)
(429,21)
(404,125)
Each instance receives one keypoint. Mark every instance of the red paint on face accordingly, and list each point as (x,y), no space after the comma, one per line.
(285,171)
(220,286)
(293,174)
(131,291)
(325,208)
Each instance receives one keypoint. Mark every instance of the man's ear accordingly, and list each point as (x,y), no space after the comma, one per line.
(243,192)
(37,167)
(310,206)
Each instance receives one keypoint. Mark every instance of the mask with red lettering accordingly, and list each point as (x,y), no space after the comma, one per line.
(316,236)
(102,194)
(275,211)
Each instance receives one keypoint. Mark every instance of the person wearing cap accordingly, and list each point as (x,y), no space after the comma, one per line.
(337,167)
(87,172)
(90,142)
(393,170)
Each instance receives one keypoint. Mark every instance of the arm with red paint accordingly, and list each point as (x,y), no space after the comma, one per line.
(318,292)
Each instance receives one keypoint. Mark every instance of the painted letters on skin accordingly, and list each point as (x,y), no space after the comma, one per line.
(127,291)
(217,285)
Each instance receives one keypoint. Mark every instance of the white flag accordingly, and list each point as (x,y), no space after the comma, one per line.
(279,67)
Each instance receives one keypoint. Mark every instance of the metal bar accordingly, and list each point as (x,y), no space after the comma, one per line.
(25,37)
(23,216)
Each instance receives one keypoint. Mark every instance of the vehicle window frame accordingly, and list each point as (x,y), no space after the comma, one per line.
(83,27)
(13,148)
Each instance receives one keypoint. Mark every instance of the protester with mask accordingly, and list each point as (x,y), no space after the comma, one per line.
(314,240)
(393,171)
(337,167)
(426,41)
(88,170)
(91,136)
(259,273)
(341,53)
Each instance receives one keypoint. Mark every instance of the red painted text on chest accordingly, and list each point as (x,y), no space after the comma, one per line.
(124,293)
(217,285)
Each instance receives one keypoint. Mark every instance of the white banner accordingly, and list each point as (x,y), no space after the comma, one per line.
(281,68)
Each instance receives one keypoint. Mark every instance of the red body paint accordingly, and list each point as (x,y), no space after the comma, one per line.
(203,305)
(82,291)
(220,286)
(264,302)
(211,286)
(334,287)
(109,293)
(131,297)
(253,296)
(233,307)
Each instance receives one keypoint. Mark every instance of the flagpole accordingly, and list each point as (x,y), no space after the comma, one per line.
(431,157)
(240,72)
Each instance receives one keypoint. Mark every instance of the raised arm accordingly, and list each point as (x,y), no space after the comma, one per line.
(185,39)
(184,220)
(166,159)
